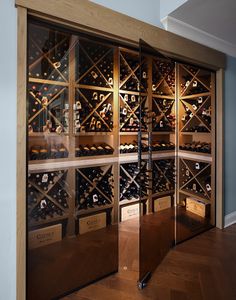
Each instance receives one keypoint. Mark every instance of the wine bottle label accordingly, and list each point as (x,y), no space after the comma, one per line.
(43,204)
(133,99)
(110,80)
(187,83)
(57,64)
(194,186)
(208,187)
(95,96)
(126,98)
(161,124)
(45,178)
(197,166)
(194,107)
(94,75)
(195,83)
(95,198)
(187,173)
(101,97)
(200,100)
(144,75)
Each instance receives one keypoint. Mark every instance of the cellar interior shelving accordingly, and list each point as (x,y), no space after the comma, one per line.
(84,109)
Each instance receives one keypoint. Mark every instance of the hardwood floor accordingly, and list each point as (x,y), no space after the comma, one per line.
(203,268)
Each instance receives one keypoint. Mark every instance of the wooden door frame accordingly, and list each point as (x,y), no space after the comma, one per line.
(86,16)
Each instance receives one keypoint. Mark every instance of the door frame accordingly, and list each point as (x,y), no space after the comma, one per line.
(86,16)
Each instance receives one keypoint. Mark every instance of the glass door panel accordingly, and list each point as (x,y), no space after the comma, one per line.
(195,210)
(157,141)
(71,198)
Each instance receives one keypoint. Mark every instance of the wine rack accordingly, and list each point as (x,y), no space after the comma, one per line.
(48,198)
(94,188)
(87,100)
(195,179)
(163,175)
(132,181)
(195,109)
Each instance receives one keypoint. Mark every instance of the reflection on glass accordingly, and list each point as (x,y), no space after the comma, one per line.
(71,204)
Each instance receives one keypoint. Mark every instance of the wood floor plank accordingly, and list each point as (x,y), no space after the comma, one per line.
(203,268)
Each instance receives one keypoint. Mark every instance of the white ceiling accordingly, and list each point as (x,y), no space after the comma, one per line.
(216,17)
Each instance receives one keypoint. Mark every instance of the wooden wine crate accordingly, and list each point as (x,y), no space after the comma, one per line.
(162,203)
(92,223)
(45,236)
(131,211)
(197,207)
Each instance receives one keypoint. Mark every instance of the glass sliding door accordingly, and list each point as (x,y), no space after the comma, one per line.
(157,147)
(196,151)
(71,198)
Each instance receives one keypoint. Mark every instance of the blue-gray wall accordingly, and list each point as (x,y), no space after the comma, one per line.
(147,11)
(230,136)
(8,150)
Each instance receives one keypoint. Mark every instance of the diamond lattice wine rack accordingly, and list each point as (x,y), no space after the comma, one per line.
(86,101)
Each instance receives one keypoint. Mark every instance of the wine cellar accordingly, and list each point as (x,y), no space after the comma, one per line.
(88,102)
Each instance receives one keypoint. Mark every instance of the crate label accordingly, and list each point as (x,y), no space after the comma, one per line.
(199,208)
(44,236)
(130,212)
(162,203)
(91,223)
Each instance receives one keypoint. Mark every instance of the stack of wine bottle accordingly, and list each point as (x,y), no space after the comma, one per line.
(47,195)
(92,150)
(195,178)
(163,175)
(38,152)
(196,147)
(130,121)
(100,121)
(192,86)
(163,70)
(133,182)
(162,145)
(94,187)
(156,146)
(95,65)
(54,62)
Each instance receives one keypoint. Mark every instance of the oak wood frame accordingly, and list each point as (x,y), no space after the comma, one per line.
(87,16)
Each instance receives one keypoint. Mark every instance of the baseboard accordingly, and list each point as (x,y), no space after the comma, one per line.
(230,219)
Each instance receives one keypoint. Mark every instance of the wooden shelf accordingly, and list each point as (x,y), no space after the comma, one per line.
(48,220)
(83,212)
(93,133)
(195,133)
(134,200)
(163,193)
(195,155)
(48,135)
(195,196)
(163,132)
(195,95)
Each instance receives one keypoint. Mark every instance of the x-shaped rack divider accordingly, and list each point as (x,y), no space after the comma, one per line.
(194,77)
(163,113)
(46,193)
(94,110)
(94,65)
(44,107)
(163,173)
(163,78)
(132,179)
(132,111)
(132,71)
(94,184)
(195,177)
(45,55)
(195,114)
